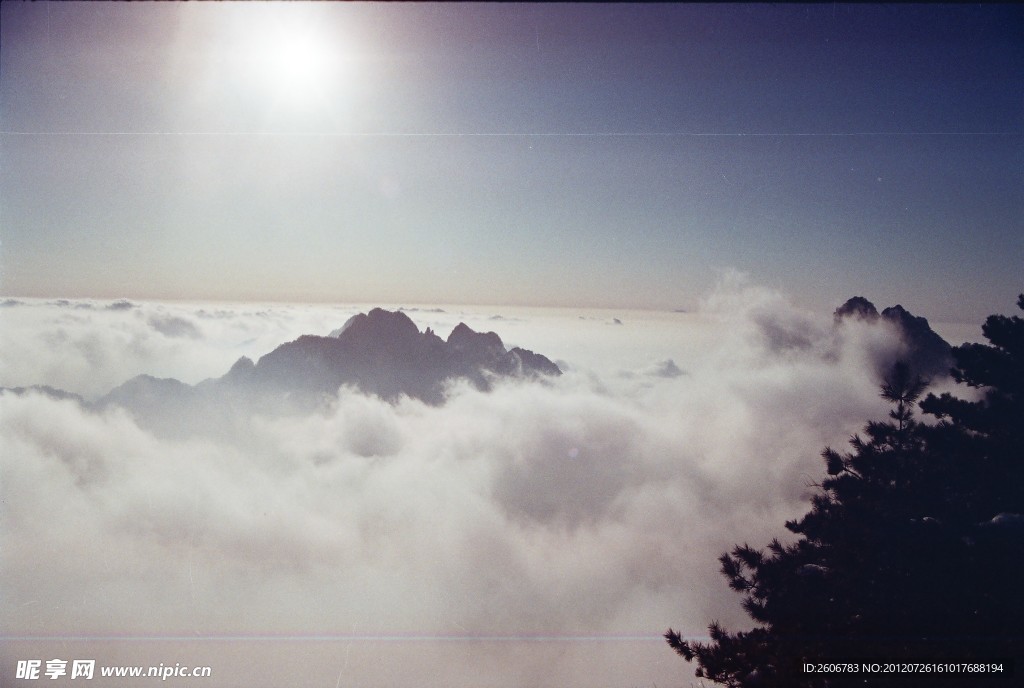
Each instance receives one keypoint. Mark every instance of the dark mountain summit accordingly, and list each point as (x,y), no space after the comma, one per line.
(926,352)
(857,307)
(384,353)
(380,352)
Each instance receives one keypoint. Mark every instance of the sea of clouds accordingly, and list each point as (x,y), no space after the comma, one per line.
(538,534)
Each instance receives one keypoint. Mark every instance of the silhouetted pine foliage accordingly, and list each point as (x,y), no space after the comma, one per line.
(912,549)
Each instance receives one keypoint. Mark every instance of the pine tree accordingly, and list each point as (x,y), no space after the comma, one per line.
(911,548)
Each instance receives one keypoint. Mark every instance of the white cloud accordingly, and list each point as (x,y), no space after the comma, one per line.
(594,505)
(90,347)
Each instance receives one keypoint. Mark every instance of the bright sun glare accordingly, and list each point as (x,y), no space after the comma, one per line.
(288,56)
(299,65)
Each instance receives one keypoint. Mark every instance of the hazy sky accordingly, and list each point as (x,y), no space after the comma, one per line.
(591,155)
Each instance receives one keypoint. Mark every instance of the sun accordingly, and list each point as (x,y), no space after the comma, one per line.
(286,56)
(299,66)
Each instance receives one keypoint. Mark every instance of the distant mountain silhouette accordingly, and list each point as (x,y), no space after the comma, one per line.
(927,353)
(45,390)
(380,352)
(384,353)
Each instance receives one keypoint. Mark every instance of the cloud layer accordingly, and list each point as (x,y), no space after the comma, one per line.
(593,505)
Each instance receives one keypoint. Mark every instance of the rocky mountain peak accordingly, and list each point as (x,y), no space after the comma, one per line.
(927,353)
(383,352)
(380,325)
(857,307)
(465,338)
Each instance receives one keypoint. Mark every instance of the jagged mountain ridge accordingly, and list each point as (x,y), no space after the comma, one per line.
(380,352)
(927,353)
(384,353)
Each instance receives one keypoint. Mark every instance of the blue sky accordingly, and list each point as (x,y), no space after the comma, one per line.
(590,155)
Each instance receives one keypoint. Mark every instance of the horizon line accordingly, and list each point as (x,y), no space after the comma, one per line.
(413,637)
(613,134)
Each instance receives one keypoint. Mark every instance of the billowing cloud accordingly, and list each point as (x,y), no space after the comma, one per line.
(175,326)
(90,347)
(594,505)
